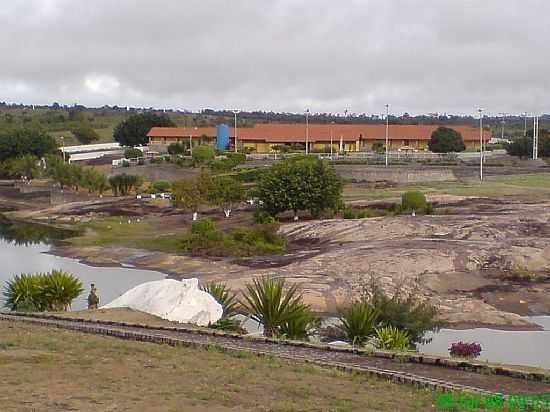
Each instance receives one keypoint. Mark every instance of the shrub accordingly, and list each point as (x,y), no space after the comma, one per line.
(251,175)
(84,133)
(413,200)
(205,240)
(263,217)
(445,140)
(224,296)
(229,325)
(429,209)
(465,350)
(271,303)
(203,154)
(358,321)
(301,326)
(133,153)
(408,311)
(123,184)
(203,226)
(53,291)
(391,338)
(160,186)
(176,148)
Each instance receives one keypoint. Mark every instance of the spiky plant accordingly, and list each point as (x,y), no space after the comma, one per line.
(59,289)
(358,321)
(224,296)
(391,338)
(303,325)
(270,303)
(23,293)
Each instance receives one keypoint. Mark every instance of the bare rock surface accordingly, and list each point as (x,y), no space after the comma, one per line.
(486,265)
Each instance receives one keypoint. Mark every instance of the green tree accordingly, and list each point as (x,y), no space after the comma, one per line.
(123,183)
(523,146)
(446,140)
(193,193)
(226,192)
(306,183)
(177,148)
(21,141)
(133,153)
(25,165)
(133,131)
(203,154)
(84,133)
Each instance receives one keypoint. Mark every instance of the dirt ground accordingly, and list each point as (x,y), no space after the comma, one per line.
(52,370)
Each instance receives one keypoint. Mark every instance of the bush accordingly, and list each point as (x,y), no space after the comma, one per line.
(53,291)
(229,325)
(206,240)
(203,154)
(278,308)
(177,148)
(465,350)
(203,226)
(262,217)
(124,183)
(353,213)
(413,200)
(133,153)
(358,321)
(391,338)
(407,311)
(84,133)
(159,186)
(251,175)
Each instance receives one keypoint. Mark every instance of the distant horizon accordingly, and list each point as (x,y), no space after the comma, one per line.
(486,113)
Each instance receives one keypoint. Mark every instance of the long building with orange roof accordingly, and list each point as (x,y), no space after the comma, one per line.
(263,138)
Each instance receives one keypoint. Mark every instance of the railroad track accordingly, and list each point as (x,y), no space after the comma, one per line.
(425,375)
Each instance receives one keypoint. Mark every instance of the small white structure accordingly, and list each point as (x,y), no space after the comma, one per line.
(173,300)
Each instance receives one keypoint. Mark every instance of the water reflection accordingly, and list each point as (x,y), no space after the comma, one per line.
(25,234)
(24,249)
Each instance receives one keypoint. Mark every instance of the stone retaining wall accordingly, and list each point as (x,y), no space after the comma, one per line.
(395,174)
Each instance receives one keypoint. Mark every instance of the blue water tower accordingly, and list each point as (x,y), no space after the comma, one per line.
(222,137)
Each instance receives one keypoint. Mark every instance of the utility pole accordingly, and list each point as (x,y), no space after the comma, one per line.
(236,112)
(480,110)
(387,131)
(535,137)
(525,124)
(331,124)
(307,131)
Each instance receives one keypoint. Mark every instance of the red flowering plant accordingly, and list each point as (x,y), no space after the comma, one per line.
(465,349)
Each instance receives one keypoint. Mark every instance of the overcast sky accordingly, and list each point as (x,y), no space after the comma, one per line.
(419,56)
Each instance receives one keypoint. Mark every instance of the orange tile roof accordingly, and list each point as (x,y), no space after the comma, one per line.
(291,133)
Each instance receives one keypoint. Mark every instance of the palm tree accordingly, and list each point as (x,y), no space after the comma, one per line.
(270,303)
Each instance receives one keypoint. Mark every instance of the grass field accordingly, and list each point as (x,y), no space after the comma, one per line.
(527,187)
(50,370)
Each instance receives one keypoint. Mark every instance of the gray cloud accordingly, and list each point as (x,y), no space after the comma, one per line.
(420,56)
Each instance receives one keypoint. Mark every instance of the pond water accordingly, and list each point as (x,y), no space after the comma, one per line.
(24,249)
(528,348)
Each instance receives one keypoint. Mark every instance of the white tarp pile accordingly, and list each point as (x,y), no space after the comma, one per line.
(174,300)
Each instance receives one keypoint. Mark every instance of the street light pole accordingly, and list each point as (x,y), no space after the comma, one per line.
(307,131)
(387,131)
(236,112)
(331,124)
(525,124)
(480,143)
